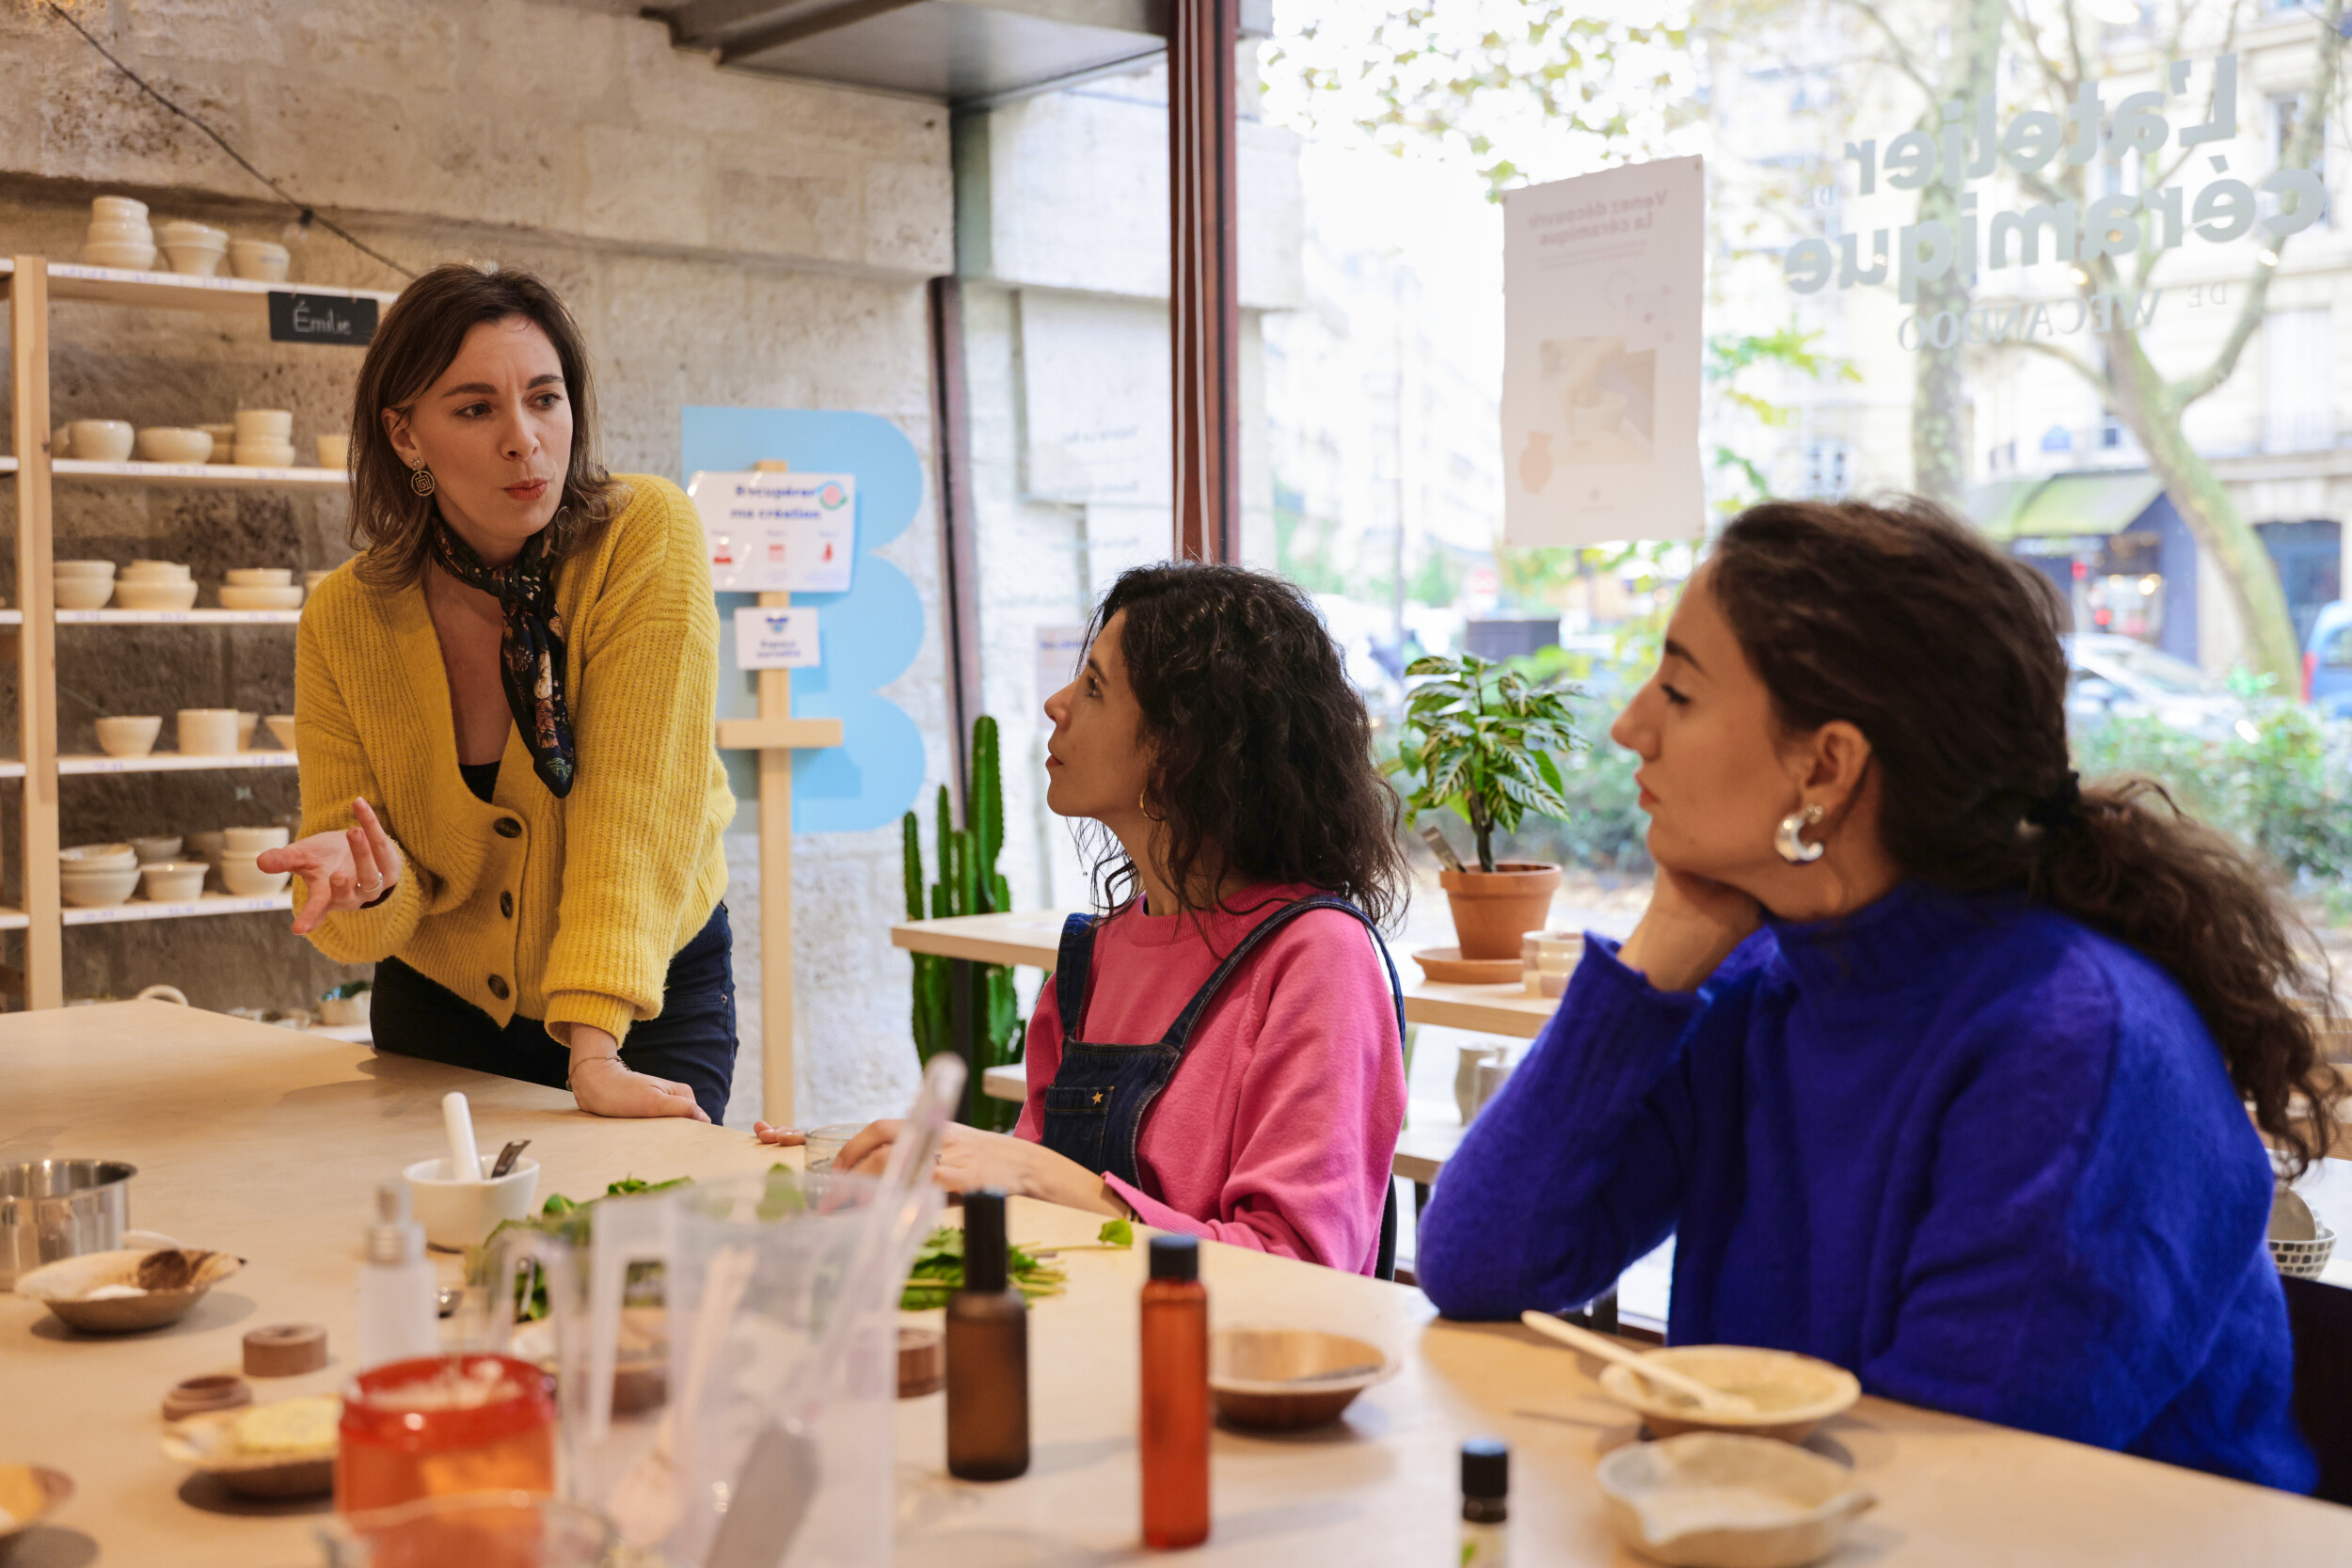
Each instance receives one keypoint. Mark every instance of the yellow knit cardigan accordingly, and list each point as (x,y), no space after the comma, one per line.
(567,911)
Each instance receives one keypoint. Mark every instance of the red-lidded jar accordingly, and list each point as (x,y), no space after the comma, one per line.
(439,1425)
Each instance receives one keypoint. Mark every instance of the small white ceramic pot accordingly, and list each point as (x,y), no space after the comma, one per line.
(174,881)
(102,440)
(264,424)
(210,732)
(459,1215)
(174,444)
(132,736)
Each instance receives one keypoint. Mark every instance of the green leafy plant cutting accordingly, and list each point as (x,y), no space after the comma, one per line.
(1479,739)
(938,1271)
(568,1222)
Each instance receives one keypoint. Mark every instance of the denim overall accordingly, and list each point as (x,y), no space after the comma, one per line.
(1095,1106)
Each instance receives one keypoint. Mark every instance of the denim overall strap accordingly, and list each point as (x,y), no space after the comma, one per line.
(1180,1032)
(1071,970)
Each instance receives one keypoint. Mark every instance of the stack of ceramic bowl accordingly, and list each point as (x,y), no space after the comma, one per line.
(174,444)
(240,848)
(224,441)
(96,876)
(265,438)
(131,735)
(263,261)
(120,235)
(260,588)
(194,249)
(82,584)
(155,585)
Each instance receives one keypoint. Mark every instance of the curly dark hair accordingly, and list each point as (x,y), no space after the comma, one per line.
(1260,749)
(1904,622)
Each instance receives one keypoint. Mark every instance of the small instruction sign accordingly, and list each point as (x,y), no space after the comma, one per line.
(776,639)
(296,318)
(778,532)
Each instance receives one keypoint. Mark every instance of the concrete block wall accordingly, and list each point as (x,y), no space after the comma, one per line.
(724,240)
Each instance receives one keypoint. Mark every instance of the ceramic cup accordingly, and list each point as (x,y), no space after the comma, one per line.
(334,451)
(252,841)
(133,737)
(263,261)
(82,593)
(210,732)
(264,424)
(102,440)
(173,881)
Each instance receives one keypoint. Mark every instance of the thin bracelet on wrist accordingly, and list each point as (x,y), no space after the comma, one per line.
(578,1064)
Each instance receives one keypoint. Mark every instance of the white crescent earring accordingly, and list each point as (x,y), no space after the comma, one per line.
(1792,848)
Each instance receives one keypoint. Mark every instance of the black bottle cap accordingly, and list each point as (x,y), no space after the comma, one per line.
(1486,1469)
(984,1266)
(1176,1257)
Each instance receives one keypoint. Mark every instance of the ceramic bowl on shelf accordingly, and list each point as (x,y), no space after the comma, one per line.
(101,440)
(118,209)
(174,881)
(245,880)
(121,231)
(98,890)
(131,257)
(157,571)
(261,598)
(103,570)
(197,254)
(158,848)
(174,444)
(252,841)
(130,737)
(264,261)
(334,451)
(282,726)
(224,440)
(98,857)
(82,593)
(133,593)
(258,576)
(264,424)
(263,454)
(207,732)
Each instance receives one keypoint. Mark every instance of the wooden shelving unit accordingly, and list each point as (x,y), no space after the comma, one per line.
(28,631)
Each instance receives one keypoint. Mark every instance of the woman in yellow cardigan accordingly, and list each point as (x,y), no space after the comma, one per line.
(511,802)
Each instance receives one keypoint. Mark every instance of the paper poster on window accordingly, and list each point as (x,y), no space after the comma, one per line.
(1059,651)
(1602,282)
(779,532)
(776,639)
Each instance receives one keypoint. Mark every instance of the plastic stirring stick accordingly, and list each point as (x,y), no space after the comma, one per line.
(1712,1399)
(465,1161)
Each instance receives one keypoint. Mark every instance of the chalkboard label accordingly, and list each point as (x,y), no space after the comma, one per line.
(321,319)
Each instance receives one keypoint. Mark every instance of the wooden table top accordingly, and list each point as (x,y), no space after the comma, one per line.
(269,1143)
(1033,940)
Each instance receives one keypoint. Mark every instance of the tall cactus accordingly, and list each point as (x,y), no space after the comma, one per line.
(969,883)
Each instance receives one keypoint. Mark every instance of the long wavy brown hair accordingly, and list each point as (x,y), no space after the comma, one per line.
(1946,653)
(418,339)
(1261,765)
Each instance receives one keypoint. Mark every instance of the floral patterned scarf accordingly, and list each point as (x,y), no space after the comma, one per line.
(530,649)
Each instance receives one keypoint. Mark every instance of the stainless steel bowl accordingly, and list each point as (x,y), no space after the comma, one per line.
(53,1209)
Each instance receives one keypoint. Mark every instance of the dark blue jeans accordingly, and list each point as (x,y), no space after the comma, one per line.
(691,1042)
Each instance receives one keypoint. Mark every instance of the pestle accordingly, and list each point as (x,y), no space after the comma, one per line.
(465,1161)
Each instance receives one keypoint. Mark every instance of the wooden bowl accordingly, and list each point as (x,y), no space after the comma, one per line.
(1284,1379)
(1446,966)
(1794,1393)
(171,1279)
(209,1442)
(28,1495)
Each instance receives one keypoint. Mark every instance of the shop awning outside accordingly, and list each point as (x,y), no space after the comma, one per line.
(2060,506)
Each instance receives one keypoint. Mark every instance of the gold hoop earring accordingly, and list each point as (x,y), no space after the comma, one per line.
(1143,805)
(421,480)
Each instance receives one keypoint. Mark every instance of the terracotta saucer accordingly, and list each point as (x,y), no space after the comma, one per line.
(1447,966)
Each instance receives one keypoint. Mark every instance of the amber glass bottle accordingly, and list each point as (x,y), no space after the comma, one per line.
(1174,1440)
(988,1353)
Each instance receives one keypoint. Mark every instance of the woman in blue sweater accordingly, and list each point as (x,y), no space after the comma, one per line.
(1935,1064)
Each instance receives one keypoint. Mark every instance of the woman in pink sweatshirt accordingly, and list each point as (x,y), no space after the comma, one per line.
(1220,1051)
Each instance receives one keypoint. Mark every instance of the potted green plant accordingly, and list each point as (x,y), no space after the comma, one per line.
(1478,742)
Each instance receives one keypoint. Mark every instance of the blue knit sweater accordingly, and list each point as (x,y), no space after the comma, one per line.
(1980,1154)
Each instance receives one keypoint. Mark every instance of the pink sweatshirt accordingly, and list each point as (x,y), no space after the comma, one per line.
(1277,1128)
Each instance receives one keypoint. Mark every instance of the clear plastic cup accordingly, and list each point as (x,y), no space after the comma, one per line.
(824,1142)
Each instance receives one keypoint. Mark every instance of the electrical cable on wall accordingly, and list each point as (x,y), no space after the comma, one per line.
(309,216)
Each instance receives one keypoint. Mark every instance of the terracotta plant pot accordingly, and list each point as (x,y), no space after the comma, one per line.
(1493,909)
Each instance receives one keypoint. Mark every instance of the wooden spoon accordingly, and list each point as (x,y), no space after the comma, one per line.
(1710,1399)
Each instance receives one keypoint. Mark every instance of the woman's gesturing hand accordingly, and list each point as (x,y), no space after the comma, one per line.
(341,871)
(1690,929)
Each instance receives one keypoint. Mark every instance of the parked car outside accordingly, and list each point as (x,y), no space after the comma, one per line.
(2328,662)
(2120,677)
